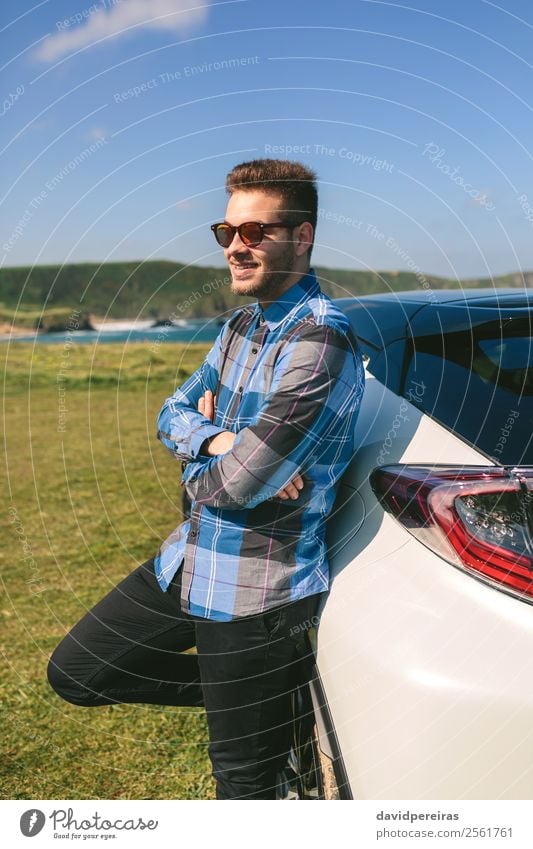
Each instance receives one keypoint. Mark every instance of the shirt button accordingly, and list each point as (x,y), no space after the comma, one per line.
(194,533)
(241,388)
(254,350)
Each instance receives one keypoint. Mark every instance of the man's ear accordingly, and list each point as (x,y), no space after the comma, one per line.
(303,238)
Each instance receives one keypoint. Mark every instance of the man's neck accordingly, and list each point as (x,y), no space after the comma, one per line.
(293,278)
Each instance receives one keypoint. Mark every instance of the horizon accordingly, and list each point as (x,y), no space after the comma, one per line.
(378,271)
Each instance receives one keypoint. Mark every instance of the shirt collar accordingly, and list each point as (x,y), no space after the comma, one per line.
(290,300)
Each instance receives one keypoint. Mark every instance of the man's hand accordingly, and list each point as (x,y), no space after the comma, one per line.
(223,442)
(292,488)
(207,404)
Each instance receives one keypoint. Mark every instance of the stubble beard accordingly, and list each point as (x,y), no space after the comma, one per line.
(270,281)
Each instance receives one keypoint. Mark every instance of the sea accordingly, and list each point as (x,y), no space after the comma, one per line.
(193,330)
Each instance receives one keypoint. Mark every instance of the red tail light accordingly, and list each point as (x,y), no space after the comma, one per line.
(478,518)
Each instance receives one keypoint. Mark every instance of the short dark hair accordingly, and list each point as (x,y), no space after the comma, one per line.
(292,181)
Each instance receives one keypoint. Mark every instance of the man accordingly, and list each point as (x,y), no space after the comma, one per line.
(264,429)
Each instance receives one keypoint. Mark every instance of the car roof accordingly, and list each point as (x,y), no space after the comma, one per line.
(378,320)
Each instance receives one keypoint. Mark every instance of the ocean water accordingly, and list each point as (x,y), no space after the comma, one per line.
(200,330)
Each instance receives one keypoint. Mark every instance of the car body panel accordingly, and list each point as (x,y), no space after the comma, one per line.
(427,675)
(426,670)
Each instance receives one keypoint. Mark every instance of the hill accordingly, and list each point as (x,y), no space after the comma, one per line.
(46,296)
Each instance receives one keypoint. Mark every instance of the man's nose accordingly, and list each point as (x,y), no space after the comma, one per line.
(236,245)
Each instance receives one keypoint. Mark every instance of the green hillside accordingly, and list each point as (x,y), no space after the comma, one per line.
(47,295)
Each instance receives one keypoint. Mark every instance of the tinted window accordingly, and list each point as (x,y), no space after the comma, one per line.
(480,385)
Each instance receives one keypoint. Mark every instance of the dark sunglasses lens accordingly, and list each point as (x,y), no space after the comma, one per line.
(224,235)
(251,233)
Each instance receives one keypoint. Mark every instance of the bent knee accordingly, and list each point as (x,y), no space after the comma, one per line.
(66,684)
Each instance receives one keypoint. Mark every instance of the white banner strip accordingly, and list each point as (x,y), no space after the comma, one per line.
(248,824)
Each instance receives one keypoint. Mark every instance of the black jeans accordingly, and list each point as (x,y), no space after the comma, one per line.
(129,648)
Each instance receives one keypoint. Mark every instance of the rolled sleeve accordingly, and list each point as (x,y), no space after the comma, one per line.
(199,436)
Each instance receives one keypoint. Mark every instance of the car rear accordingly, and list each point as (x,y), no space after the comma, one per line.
(425,645)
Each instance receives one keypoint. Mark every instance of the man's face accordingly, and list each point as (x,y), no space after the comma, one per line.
(263,270)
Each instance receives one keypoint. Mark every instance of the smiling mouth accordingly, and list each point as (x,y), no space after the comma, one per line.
(240,269)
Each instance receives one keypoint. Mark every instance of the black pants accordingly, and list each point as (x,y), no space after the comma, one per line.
(128,648)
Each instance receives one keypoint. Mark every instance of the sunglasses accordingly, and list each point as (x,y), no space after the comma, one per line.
(251,233)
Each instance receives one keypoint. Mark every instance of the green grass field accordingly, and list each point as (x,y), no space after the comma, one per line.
(89,494)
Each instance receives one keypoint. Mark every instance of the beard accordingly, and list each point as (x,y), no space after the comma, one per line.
(267,282)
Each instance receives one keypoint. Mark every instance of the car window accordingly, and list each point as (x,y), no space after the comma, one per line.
(480,387)
(514,352)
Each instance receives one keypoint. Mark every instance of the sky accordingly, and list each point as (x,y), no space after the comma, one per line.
(121,118)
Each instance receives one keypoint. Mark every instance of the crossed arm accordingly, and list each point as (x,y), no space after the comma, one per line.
(222,442)
(314,387)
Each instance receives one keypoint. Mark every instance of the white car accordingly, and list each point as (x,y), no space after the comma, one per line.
(424,670)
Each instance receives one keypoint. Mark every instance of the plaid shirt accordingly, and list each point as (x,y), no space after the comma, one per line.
(289,381)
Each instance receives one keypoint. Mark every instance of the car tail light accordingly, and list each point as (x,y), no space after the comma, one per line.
(478,518)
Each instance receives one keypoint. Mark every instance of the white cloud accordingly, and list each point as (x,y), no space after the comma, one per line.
(114,18)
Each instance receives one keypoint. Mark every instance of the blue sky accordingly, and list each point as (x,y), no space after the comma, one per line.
(120,121)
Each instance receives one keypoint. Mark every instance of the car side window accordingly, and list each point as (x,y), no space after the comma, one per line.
(480,389)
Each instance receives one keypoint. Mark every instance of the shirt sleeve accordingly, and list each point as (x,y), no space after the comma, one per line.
(317,378)
(180,427)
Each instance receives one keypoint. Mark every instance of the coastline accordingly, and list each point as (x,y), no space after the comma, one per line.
(123,331)
(7,331)
(98,326)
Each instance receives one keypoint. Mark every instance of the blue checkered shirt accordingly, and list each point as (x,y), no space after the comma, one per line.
(288,381)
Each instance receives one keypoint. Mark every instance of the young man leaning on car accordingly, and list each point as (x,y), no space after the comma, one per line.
(264,430)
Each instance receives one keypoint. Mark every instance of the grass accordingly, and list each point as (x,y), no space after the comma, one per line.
(90,494)
(30,317)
